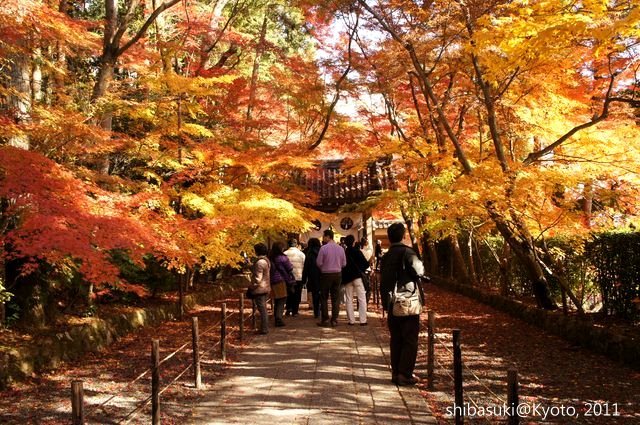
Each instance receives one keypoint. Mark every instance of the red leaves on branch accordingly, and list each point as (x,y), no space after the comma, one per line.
(60,218)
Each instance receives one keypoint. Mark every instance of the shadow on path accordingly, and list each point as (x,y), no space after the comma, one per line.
(304,374)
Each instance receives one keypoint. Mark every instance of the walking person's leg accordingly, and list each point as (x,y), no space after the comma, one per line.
(358,287)
(290,300)
(261,305)
(336,280)
(325,288)
(297,297)
(409,332)
(348,300)
(279,311)
(317,295)
(395,345)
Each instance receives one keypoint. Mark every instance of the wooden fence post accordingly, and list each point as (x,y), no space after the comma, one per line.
(223,333)
(457,375)
(512,397)
(431,341)
(77,403)
(197,376)
(241,320)
(155,382)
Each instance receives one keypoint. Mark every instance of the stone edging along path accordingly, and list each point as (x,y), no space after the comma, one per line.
(618,347)
(41,354)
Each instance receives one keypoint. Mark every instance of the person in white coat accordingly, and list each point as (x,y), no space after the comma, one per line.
(294,292)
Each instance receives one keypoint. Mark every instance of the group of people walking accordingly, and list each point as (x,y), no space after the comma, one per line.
(336,272)
(327,271)
(277,272)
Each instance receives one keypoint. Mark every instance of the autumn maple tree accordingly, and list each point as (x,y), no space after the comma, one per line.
(148,128)
(501,116)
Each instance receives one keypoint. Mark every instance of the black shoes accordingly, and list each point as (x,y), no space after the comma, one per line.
(403,381)
(364,324)
(334,323)
(279,323)
(324,324)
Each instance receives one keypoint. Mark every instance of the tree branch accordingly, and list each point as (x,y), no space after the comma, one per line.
(462,157)
(142,31)
(534,156)
(126,19)
(336,96)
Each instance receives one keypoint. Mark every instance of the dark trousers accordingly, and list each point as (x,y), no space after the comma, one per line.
(261,306)
(403,343)
(330,285)
(316,297)
(278,309)
(294,295)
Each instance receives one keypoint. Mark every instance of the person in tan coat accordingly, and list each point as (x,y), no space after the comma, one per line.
(260,284)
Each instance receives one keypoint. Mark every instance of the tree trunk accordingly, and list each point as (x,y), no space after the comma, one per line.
(587,207)
(460,267)
(256,70)
(105,119)
(433,257)
(522,245)
(3,284)
(181,282)
(20,99)
(28,295)
(504,263)
(412,233)
(36,80)
(473,279)
(565,307)
(90,295)
(104,77)
(560,274)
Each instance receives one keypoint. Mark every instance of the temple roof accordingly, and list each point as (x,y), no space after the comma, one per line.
(336,188)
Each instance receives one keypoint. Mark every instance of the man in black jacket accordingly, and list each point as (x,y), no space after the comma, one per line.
(352,281)
(401,266)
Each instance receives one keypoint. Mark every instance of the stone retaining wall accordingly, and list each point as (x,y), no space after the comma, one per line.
(618,347)
(47,353)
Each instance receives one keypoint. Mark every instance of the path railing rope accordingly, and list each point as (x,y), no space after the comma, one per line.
(146,401)
(451,377)
(145,372)
(78,409)
(457,378)
(221,341)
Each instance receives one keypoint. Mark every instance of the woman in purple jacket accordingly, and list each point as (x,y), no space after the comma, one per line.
(281,275)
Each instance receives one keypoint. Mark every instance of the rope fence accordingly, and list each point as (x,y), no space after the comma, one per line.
(457,376)
(79,413)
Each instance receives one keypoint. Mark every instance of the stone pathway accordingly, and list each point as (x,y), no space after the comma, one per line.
(304,374)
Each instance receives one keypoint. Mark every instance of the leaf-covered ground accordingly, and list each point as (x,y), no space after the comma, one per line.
(45,399)
(559,380)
